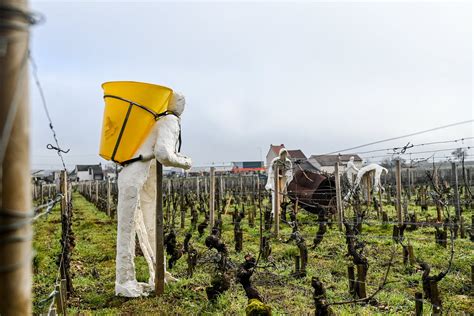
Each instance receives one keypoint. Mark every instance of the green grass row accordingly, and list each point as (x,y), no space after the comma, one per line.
(93,270)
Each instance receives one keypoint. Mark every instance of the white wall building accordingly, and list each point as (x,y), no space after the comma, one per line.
(326,162)
(89,172)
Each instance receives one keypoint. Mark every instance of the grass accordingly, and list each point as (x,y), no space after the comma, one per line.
(93,270)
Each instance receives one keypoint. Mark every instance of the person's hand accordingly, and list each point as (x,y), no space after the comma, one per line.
(187,163)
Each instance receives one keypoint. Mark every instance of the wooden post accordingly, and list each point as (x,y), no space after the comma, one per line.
(351,276)
(64,293)
(380,210)
(457,206)
(297,265)
(197,186)
(59,300)
(66,231)
(418,304)
(339,206)
(96,191)
(15,189)
(42,194)
(409,180)
(361,274)
(160,254)
(368,182)
(212,197)
(439,215)
(182,206)
(64,191)
(435,299)
(109,199)
(398,178)
(411,255)
(221,188)
(276,211)
(241,184)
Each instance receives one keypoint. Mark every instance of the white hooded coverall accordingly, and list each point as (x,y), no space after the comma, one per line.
(137,200)
(286,170)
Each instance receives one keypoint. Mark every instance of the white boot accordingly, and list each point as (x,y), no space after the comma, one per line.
(132,289)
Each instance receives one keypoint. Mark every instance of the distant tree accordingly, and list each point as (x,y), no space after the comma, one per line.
(390,162)
(459,153)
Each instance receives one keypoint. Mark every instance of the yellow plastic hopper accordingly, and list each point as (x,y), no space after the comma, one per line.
(131,110)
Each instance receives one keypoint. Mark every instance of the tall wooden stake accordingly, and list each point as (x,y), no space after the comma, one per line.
(109,202)
(197,186)
(212,197)
(160,254)
(276,211)
(457,206)
(182,206)
(339,205)
(398,178)
(15,257)
(97,191)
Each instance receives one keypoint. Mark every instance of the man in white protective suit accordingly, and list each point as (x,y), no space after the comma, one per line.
(351,170)
(286,174)
(137,200)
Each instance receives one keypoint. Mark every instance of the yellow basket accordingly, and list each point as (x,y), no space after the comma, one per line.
(131,109)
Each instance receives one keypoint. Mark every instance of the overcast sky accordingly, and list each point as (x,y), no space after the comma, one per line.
(319,76)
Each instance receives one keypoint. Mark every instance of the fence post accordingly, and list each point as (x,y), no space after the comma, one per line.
(398,178)
(64,293)
(182,205)
(276,211)
(109,202)
(96,191)
(42,193)
(160,255)
(64,191)
(368,182)
(212,196)
(197,186)
(411,255)
(65,256)
(15,179)
(409,183)
(339,206)
(454,181)
(351,276)
(418,304)
(361,275)
(297,266)
(59,300)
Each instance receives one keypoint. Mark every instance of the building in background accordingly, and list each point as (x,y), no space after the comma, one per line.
(220,168)
(273,153)
(248,166)
(45,176)
(296,155)
(293,154)
(88,172)
(326,163)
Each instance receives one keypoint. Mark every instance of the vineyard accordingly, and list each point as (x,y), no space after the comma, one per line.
(373,253)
